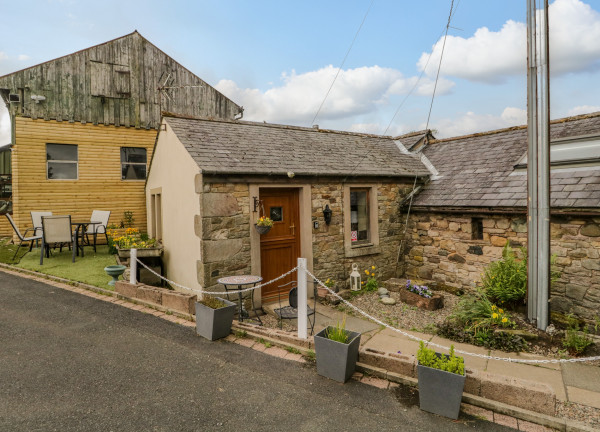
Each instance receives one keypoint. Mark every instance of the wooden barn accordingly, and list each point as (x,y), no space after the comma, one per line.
(83,127)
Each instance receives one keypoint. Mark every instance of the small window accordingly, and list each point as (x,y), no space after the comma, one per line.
(61,161)
(276,214)
(133,163)
(359,216)
(476,229)
(571,152)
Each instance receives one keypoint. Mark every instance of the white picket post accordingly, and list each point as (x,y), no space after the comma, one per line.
(133,266)
(302,300)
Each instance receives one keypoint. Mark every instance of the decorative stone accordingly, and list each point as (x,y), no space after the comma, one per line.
(591,230)
(388,301)
(475,250)
(456,258)
(382,291)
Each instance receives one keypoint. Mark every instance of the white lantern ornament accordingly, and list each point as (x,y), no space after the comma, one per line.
(355,282)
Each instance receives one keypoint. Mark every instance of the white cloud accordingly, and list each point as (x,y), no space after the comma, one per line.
(3,56)
(23,57)
(492,57)
(472,122)
(4,125)
(583,109)
(297,99)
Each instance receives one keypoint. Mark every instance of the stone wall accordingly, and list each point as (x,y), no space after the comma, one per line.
(441,250)
(225,232)
(330,260)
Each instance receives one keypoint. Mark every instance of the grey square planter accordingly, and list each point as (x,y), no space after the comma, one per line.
(214,324)
(440,392)
(336,360)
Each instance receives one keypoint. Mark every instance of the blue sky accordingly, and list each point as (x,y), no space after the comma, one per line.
(278,58)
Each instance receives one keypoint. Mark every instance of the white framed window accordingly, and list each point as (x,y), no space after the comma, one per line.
(573,152)
(361,226)
(133,163)
(62,162)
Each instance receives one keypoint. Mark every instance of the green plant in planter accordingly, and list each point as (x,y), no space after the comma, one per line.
(212,302)
(338,333)
(451,363)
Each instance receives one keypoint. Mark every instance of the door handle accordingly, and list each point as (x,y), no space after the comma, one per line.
(293,228)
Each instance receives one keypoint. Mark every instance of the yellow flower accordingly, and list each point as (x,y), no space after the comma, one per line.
(504,319)
(367,272)
(494,315)
(373,274)
(493,307)
(372,267)
(500,311)
(362,282)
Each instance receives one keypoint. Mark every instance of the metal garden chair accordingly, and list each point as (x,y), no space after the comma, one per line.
(22,237)
(57,230)
(101,216)
(290,312)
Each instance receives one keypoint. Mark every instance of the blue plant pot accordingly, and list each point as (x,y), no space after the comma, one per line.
(114,271)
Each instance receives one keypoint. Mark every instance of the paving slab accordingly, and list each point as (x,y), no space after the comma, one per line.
(352,323)
(583,376)
(390,341)
(584,397)
(531,373)
(470,361)
(526,356)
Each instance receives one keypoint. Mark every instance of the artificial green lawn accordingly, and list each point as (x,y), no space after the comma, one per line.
(89,269)
(7,250)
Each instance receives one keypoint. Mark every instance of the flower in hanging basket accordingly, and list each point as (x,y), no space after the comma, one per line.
(263,225)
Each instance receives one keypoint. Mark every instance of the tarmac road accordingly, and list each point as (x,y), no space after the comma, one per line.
(72,363)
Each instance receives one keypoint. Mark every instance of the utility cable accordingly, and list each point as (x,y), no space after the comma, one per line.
(342,65)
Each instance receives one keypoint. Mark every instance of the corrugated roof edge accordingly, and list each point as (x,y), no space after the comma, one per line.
(513,128)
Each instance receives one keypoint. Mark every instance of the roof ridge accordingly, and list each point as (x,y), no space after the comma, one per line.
(274,125)
(513,128)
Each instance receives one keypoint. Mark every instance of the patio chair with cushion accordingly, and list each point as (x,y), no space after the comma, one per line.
(22,237)
(57,231)
(101,216)
(290,312)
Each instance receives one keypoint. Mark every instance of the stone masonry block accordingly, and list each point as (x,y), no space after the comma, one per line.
(517,392)
(126,289)
(397,363)
(150,294)
(178,301)
(472,382)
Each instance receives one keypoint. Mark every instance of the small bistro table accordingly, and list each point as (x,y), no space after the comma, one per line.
(239,282)
(80,228)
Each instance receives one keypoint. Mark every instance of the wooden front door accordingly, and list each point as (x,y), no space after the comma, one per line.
(280,247)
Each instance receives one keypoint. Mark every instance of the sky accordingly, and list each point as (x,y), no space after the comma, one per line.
(278,59)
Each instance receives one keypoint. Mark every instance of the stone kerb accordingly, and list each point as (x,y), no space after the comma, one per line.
(399,286)
(173,300)
(517,392)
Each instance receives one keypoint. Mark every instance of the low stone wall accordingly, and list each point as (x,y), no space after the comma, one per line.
(169,299)
(441,249)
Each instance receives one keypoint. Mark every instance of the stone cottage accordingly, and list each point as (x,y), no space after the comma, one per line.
(463,217)
(220,176)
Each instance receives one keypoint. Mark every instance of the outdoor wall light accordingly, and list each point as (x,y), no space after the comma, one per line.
(327,214)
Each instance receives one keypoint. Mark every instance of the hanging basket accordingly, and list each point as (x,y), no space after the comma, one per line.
(262,229)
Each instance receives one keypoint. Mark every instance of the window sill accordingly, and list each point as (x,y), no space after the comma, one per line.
(362,250)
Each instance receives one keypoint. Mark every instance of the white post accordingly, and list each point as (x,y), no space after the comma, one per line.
(133,266)
(302,302)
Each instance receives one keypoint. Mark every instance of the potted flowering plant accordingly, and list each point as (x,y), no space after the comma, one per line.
(263,225)
(133,239)
(322,292)
(441,381)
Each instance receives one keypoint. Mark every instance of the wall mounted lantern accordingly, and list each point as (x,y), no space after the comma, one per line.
(355,282)
(327,214)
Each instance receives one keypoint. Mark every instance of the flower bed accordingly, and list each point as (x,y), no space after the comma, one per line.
(433,302)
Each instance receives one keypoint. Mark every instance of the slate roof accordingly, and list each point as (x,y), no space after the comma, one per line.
(241,147)
(410,139)
(478,170)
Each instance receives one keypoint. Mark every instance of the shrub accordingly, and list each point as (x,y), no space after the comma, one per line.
(485,337)
(505,280)
(451,363)
(576,341)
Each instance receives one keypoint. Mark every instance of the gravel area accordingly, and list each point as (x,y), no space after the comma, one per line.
(580,413)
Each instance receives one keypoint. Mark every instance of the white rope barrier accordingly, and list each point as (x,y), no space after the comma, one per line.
(483,356)
(372,318)
(233,291)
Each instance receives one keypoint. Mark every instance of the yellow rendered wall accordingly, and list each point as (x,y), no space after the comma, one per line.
(99,186)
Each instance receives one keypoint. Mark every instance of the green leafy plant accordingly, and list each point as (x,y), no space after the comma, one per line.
(264,221)
(371,284)
(483,337)
(476,311)
(338,333)
(241,333)
(212,302)
(131,239)
(292,350)
(576,341)
(128,219)
(449,363)
(505,280)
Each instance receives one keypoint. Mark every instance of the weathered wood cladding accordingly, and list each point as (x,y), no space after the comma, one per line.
(99,185)
(114,83)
